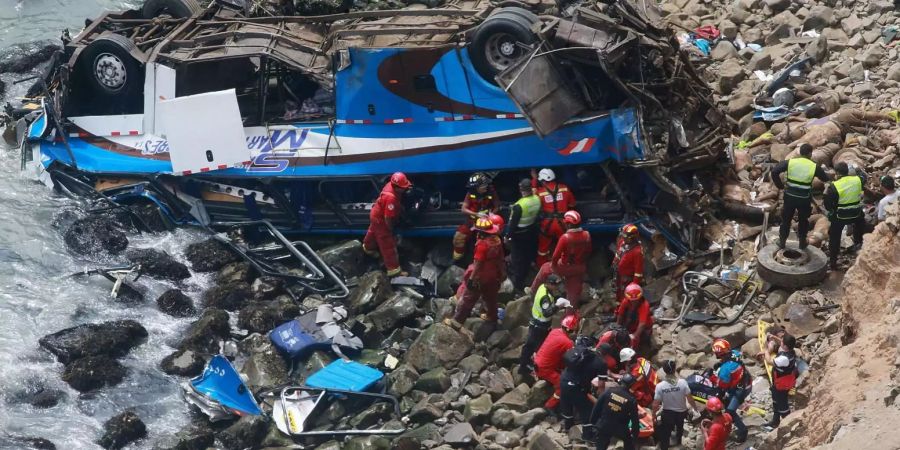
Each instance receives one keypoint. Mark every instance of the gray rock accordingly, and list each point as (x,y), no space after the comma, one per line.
(760,61)
(185,363)
(229,297)
(113,339)
(530,417)
(876,7)
(851,24)
(478,410)
(192,437)
(367,443)
(857,73)
(313,364)
(373,415)
(348,257)
(818,49)
(93,372)
(265,369)
(414,438)
(428,409)
(449,280)
(724,50)
(729,29)
(267,288)
(694,339)
(158,264)
(203,336)
(393,312)
(473,363)
(373,289)
(503,418)
(864,90)
(518,313)
(508,439)
(275,439)
(209,256)
(893,72)
(539,394)
(461,435)
(434,381)
(19,58)
(734,334)
(35,393)
(819,17)
(739,105)
(542,441)
(515,400)
(96,234)
(402,380)
(453,346)
(777,5)
(245,433)
(780,32)
(174,303)
(122,430)
(236,271)
(496,381)
(872,56)
(730,74)
(262,317)
(25,443)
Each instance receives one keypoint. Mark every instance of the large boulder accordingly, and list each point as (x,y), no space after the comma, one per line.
(461,435)
(114,339)
(267,288)
(96,234)
(121,430)
(93,372)
(694,339)
(514,400)
(158,264)
(174,303)
(245,433)
(371,290)
(819,17)
(449,280)
(34,392)
(203,336)
(401,380)
(348,257)
(478,410)
(184,363)
(734,334)
(209,256)
(192,437)
(393,312)
(229,297)
(436,381)
(18,58)
(25,443)
(265,368)
(236,271)
(262,317)
(439,345)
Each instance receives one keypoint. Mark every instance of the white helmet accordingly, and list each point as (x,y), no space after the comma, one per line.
(782,361)
(546,175)
(626,354)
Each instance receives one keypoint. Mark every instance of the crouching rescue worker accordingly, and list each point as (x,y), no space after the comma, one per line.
(784,378)
(483,277)
(480,201)
(733,381)
(548,361)
(382,219)
(644,386)
(556,199)
(628,263)
(716,430)
(615,415)
(569,258)
(522,234)
(584,367)
(797,192)
(610,346)
(547,301)
(634,315)
(843,201)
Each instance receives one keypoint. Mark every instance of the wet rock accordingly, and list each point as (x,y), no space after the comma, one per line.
(229,297)
(428,409)
(236,271)
(693,339)
(820,16)
(402,380)
(449,280)
(515,400)
(93,372)
(158,264)
(184,363)
(414,438)
(461,435)
(18,58)
(121,430)
(262,317)
(245,433)
(174,303)
(373,289)
(267,288)
(209,256)
(378,413)
(25,443)
(453,346)
(34,392)
(478,410)
(114,339)
(96,234)
(203,336)
(275,439)
(192,437)
(348,257)
(393,312)
(434,381)
(265,369)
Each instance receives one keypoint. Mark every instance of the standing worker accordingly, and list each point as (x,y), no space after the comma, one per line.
(716,431)
(584,368)
(843,201)
(569,258)
(483,278)
(548,361)
(634,315)
(556,199)
(798,192)
(522,234)
(382,218)
(615,415)
(673,395)
(628,264)
(889,189)
(480,201)
(784,378)
(547,301)
(733,381)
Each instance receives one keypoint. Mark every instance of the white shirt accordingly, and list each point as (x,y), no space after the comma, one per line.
(884,202)
(673,396)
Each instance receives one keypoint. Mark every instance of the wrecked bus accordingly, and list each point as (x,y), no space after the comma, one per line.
(215,115)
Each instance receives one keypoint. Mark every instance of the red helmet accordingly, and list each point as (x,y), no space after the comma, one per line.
(399,179)
(713,404)
(485,225)
(630,231)
(721,347)
(570,322)
(572,218)
(497,219)
(633,291)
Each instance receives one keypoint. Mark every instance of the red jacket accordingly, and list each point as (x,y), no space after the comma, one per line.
(556,198)
(612,359)
(717,436)
(387,208)
(490,262)
(644,387)
(489,202)
(550,355)
(634,312)
(629,262)
(573,248)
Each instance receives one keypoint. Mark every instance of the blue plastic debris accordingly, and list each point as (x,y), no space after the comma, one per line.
(345,375)
(222,387)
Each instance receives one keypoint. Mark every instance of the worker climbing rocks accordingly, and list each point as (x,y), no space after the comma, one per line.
(569,258)
(522,234)
(797,192)
(634,315)
(628,263)
(784,378)
(480,201)
(716,430)
(382,218)
(610,346)
(645,378)
(548,361)
(556,199)
(615,415)
(733,381)
(843,201)
(547,301)
(583,369)
(483,277)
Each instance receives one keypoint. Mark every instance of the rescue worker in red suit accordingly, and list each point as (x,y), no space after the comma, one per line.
(610,346)
(634,315)
(734,382)
(382,219)
(569,258)
(482,279)
(556,199)
(716,430)
(549,362)
(645,381)
(628,263)
(480,201)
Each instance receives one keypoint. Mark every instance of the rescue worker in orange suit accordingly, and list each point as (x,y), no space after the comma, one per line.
(628,263)
(548,361)
(784,378)
(610,346)
(556,199)
(733,381)
(569,258)
(644,387)
(634,315)
(716,430)
(382,218)
(483,277)
(480,201)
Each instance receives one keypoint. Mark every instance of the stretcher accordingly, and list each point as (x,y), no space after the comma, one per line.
(646,423)
(762,328)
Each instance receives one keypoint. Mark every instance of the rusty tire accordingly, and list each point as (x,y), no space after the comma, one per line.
(792,268)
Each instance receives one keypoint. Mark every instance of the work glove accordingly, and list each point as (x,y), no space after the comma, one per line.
(563,303)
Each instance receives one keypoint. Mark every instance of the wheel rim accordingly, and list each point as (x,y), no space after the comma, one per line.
(502,50)
(110,72)
(791,257)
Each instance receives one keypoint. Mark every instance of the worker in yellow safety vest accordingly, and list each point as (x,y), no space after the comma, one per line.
(797,187)
(843,201)
(547,301)
(522,234)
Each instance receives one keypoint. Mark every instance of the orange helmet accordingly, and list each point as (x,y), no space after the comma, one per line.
(713,404)
(484,225)
(570,322)
(497,219)
(721,347)
(572,218)
(399,179)
(633,291)
(630,230)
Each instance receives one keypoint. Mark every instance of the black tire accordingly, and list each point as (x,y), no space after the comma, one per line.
(496,44)
(792,268)
(110,71)
(178,9)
